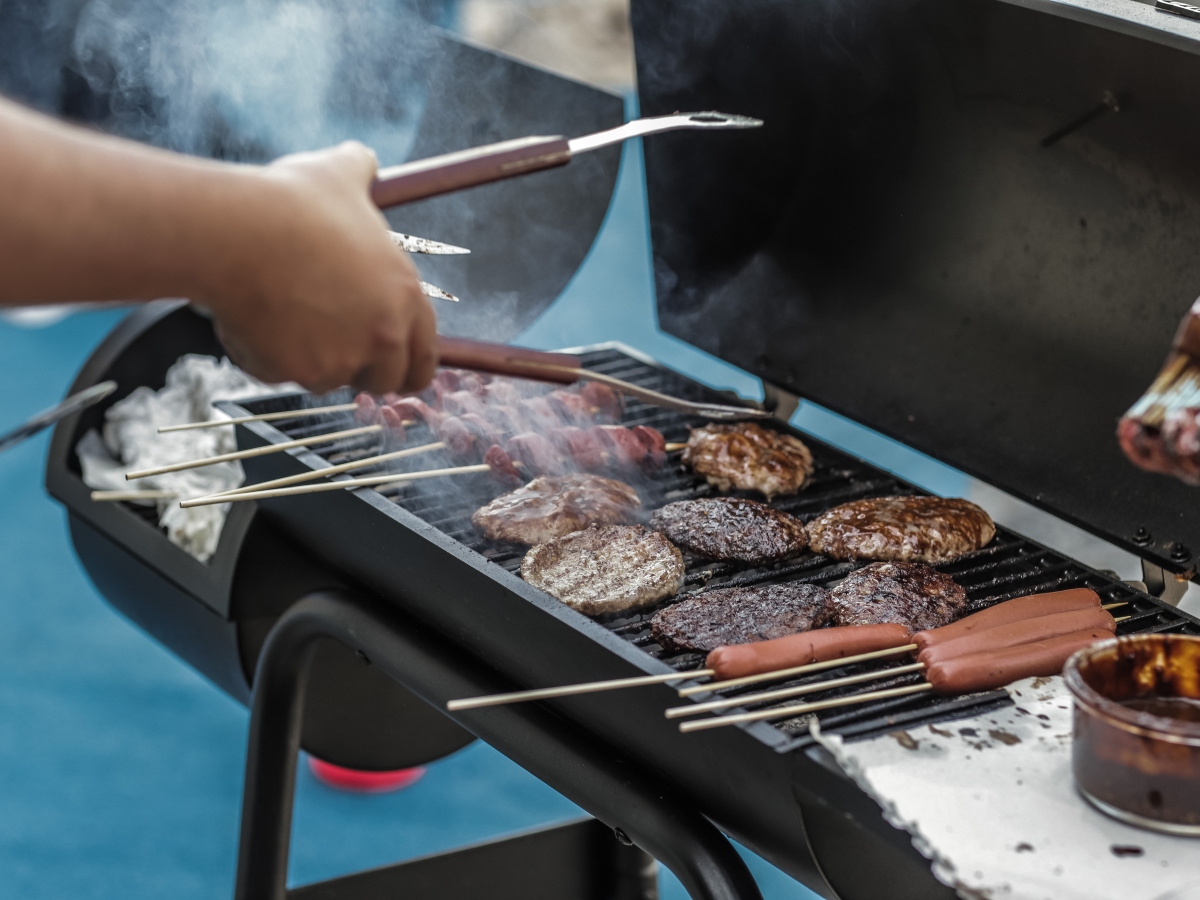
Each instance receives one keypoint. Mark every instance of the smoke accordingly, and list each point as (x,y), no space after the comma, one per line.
(254,80)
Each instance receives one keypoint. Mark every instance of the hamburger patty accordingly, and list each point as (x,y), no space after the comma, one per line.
(913,529)
(905,593)
(740,616)
(748,457)
(553,506)
(731,528)
(606,568)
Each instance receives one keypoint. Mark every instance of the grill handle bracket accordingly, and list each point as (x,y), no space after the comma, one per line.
(586,771)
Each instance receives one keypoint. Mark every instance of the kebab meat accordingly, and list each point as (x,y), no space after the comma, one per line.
(910,529)
(542,433)
(606,568)
(747,457)
(553,506)
(741,616)
(731,528)
(908,594)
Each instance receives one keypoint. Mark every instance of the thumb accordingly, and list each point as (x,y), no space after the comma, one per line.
(355,160)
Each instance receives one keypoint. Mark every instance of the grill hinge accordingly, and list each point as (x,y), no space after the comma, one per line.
(779,402)
(1166,586)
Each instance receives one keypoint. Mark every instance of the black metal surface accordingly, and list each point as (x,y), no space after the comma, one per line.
(587,771)
(416,548)
(580,860)
(897,245)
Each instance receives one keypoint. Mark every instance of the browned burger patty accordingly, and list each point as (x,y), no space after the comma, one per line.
(748,457)
(731,528)
(905,593)
(741,616)
(606,568)
(912,529)
(553,506)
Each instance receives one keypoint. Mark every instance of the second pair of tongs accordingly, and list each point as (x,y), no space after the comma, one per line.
(564,368)
(449,172)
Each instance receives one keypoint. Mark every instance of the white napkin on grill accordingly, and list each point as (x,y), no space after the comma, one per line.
(991,802)
(131,441)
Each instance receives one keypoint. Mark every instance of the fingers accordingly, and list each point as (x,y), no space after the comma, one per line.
(422,347)
(355,159)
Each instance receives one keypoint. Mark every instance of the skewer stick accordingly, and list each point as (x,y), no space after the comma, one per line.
(678,712)
(672,446)
(116,496)
(569,690)
(784,712)
(373,481)
(255,451)
(796,670)
(261,417)
(334,470)
(1115,605)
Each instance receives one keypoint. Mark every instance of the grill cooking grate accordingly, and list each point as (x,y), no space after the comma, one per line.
(1009,566)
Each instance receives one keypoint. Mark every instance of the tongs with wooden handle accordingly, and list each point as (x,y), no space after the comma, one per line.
(563,368)
(423,178)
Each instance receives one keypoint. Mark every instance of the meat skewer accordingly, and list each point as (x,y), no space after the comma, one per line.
(255,451)
(985,640)
(334,470)
(261,417)
(372,481)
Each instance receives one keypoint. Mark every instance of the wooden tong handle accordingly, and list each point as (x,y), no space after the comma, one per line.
(466,168)
(501,359)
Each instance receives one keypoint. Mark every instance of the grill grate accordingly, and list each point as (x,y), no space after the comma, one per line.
(1008,567)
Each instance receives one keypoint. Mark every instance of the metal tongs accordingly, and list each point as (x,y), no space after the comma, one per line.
(449,172)
(566,368)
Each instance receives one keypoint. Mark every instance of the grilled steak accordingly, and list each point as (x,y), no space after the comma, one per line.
(748,457)
(741,616)
(731,528)
(906,593)
(553,506)
(606,568)
(913,529)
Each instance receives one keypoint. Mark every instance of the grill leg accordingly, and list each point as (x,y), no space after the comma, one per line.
(637,806)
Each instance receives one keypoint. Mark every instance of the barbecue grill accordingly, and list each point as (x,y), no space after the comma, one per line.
(902,243)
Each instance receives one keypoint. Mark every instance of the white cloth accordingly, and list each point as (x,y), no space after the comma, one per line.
(992,802)
(131,441)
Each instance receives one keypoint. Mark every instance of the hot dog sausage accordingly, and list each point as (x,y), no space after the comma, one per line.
(1027,631)
(801,649)
(996,668)
(1008,612)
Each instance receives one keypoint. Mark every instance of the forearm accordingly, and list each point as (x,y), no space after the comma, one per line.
(90,217)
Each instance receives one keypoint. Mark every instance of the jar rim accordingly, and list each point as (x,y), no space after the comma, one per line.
(1138,722)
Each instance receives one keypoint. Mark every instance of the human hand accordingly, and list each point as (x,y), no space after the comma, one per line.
(309,286)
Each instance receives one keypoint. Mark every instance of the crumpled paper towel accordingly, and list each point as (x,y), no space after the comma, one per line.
(131,441)
(992,803)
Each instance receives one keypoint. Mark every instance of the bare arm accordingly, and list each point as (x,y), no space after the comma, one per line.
(292,258)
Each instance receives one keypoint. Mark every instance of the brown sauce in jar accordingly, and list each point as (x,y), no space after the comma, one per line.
(1184,708)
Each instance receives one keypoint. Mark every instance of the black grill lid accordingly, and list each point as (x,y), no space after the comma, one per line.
(899,243)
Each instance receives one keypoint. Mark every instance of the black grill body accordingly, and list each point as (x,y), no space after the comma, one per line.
(413,549)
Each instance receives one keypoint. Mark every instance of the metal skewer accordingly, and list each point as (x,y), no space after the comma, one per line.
(254,451)
(373,481)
